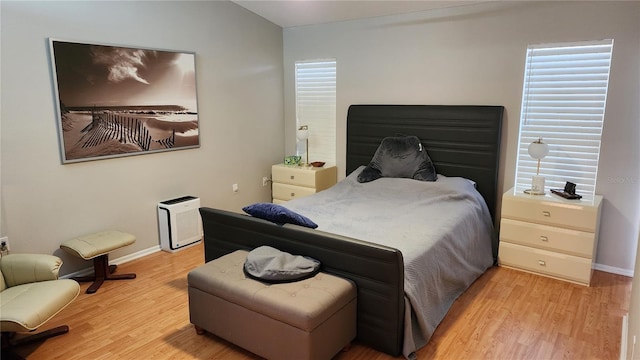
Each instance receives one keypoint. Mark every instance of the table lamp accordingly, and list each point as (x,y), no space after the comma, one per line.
(303,134)
(537,150)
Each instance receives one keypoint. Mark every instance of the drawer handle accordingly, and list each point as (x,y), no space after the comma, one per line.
(293,177)
(293,194)
(542,263)
(546,213)
(544,238)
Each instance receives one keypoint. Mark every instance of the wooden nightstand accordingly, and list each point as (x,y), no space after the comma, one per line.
(292,181)
(549,235)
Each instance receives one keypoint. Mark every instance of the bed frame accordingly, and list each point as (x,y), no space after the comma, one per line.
(461,141)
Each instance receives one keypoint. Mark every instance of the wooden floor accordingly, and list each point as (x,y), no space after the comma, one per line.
(505,314)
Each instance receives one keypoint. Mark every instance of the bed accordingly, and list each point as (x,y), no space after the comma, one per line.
(462,141)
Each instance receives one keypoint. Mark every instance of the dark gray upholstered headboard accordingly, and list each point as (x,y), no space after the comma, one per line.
(462,140)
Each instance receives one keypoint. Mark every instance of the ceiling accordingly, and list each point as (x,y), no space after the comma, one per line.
(289,13)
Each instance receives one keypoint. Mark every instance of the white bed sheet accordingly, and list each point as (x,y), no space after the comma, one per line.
(443,229)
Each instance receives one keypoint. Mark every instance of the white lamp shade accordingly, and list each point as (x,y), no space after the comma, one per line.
(302,134)
(538,150)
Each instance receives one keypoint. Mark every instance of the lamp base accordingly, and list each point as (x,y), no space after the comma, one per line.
(537,185)
(534,192)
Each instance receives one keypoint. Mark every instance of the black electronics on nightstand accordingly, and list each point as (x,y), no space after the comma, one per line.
(569,191)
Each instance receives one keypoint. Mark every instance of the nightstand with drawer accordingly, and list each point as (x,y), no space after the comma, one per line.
(292,181)
(549,235)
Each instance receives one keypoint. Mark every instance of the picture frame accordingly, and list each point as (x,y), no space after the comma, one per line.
(115,101)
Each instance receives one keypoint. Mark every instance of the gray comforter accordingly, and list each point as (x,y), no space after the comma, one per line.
(443,229)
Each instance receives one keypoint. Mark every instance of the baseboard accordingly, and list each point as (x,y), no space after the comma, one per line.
(614,270)
(118,261)
(624,338)
(135,255)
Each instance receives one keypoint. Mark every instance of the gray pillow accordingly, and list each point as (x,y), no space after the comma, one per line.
(400,157)
(271,265)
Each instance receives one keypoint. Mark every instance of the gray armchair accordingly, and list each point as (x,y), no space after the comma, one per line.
(30,295)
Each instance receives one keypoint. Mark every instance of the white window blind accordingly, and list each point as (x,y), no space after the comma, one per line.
(316,108)
(563,102)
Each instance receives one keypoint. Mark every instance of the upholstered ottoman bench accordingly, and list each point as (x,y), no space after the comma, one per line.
(97,247)
(313,318)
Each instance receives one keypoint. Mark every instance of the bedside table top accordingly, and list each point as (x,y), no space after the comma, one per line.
(586,201)
(308,168)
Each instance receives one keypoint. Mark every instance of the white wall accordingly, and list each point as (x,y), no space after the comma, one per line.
(634,315)
(475,55)
(239,81)
(633,351)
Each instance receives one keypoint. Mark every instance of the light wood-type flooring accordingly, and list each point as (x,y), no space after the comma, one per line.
(505,314)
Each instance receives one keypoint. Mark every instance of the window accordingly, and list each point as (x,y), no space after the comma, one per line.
(316,107)
(563,102)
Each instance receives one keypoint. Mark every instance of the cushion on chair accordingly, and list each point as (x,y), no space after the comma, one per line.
(24,307)
(20,269)
(94,245)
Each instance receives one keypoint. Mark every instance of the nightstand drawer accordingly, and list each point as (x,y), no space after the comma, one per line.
(294,176)
(572,242)
(288,192)
(563,214)
(563,266)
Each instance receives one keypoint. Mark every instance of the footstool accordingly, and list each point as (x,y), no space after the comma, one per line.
(309,319)
(97,247)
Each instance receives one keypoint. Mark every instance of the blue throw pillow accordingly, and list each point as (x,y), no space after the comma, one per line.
(278,214)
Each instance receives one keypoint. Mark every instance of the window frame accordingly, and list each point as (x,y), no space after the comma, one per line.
(565,106)
(315,102)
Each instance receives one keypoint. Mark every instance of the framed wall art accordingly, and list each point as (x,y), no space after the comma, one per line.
(118,101)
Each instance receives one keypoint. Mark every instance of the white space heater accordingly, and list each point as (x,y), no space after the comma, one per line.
(179,223)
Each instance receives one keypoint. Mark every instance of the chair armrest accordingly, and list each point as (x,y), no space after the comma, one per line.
(20,269)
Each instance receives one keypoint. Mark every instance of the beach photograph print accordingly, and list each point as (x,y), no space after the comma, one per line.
(117,101)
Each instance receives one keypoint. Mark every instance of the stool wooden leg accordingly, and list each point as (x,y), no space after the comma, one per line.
(102,271)
(84,278)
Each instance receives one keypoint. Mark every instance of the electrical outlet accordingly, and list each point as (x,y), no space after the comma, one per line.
(265,180)
(234,187)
